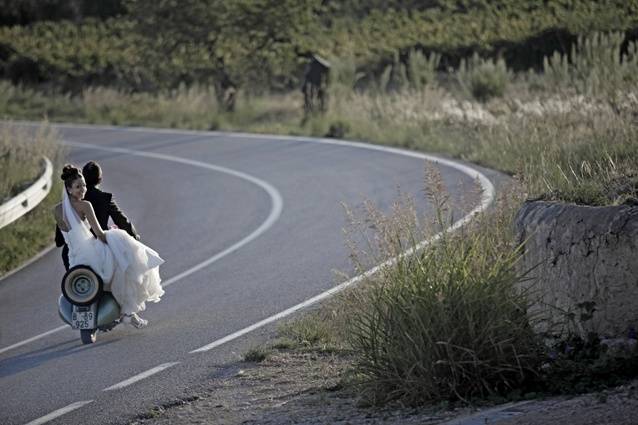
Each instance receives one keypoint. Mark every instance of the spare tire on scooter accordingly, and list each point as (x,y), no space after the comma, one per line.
(81,285)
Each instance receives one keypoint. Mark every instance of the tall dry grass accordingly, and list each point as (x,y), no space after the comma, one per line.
(567,133)
(21,152)
(191,107)
(21,156)
(447,322)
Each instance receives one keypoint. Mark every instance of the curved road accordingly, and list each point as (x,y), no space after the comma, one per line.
(249,226)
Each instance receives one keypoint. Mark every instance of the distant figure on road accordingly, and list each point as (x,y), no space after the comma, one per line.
(315,85)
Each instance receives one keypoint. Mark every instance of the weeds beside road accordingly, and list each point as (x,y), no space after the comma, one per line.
(21,153)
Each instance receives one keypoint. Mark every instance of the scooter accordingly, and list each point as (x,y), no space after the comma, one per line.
(86,305)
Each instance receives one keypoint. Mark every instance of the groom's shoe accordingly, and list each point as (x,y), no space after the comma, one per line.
(135,320)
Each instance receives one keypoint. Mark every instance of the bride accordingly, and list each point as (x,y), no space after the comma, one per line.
(131,267)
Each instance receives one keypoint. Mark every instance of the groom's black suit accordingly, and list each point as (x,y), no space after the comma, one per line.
(104,207)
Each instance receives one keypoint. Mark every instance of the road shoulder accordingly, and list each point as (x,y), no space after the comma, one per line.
(306,386)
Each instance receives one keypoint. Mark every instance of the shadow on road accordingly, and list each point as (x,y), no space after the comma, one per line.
(26,361)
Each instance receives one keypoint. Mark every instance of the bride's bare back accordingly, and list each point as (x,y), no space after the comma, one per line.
(85,211)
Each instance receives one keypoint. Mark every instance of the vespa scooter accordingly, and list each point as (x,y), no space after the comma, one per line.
(86,305)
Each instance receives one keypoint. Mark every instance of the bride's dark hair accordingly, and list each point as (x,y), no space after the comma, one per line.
(69,174)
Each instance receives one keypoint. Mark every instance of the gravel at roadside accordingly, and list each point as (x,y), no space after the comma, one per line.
(297,387)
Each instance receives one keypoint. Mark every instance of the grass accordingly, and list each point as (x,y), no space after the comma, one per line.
(569,147)
(483,79)
(21,155)
(30,234)
(20,164)
(567,134)
(319,330)
(448,322)
(256,354)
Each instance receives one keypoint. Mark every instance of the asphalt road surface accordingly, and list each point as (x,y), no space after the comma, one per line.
(249,226)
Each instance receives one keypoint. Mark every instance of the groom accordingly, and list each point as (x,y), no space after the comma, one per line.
(103,205)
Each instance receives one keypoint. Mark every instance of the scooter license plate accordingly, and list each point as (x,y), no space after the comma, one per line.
(83,318)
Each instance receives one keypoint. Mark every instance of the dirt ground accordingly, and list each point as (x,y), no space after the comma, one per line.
(293,387)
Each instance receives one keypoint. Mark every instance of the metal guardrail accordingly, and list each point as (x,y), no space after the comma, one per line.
(24,202)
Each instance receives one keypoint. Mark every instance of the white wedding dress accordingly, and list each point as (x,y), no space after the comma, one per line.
(130,267)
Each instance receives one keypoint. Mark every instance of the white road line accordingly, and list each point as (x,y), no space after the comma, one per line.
(275,197)
(488,188)
(34,338)
(342,286)
(486,200)
(59,412)
(140,376)
(275,213)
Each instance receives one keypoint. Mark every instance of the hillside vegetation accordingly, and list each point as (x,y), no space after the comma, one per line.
(263,45)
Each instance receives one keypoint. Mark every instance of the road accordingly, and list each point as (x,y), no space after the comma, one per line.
(248,225)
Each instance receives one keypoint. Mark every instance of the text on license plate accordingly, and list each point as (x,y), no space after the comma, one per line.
(83,320)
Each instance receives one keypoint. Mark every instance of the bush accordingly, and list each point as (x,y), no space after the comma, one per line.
(595,65)
(483,79)
(447,322)
(256,355)
(422,69)
(338,129)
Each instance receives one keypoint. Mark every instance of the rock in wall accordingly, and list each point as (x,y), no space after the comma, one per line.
(585,266)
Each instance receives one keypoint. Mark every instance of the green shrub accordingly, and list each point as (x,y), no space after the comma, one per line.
(343,73)
(446,322)
(483,79)
(422,69)
(595,65)
(338,129)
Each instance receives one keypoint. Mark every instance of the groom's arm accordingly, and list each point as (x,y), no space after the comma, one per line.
(120,219)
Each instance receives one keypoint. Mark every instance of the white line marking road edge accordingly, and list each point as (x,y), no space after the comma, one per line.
(273,216)
(140,376)
(59,412)
(275,198)
(486,184)
(484,204)
(488,188)
(34,338)
(486,199)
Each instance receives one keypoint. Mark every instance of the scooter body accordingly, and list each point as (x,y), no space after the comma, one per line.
(85,305)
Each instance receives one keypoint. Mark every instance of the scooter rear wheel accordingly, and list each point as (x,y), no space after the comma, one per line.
(88,336)
(81,285)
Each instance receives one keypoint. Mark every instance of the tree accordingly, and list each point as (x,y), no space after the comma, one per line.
(234,44)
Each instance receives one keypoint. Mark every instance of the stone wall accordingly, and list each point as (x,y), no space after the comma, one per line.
(585,266)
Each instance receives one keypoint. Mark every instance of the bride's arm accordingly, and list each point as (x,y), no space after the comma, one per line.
(95,226)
